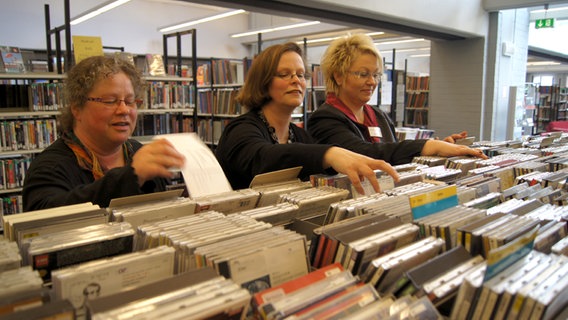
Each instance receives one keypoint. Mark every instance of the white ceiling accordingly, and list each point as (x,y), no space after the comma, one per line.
(172,11)
(330,30)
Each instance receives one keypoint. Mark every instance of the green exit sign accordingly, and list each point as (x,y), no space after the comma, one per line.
(544,23)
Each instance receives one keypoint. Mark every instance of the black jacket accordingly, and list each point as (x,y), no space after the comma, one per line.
(247,149)
(331,126)
(55,179)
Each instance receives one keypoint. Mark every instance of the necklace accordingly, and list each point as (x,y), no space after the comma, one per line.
(291,136)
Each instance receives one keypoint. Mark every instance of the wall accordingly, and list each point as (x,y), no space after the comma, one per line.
(457,86)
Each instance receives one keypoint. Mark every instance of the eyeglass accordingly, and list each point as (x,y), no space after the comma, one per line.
(115,103)
(365,75)
(290,76)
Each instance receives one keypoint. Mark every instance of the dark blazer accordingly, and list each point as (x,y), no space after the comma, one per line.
(55,179)
(331,126)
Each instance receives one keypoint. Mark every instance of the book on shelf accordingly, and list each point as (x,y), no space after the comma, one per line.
(126,56)
(12,59)
(155,65)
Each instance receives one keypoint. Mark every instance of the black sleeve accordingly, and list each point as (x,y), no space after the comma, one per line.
(55,179)
(328,125)
(246,149)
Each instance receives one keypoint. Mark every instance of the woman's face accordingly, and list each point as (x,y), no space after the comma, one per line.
(102,122)
(357,86)
(289,84)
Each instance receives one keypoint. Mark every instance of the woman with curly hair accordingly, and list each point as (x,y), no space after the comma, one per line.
(94,159)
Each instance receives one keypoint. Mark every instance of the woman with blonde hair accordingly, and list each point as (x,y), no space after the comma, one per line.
(352,68)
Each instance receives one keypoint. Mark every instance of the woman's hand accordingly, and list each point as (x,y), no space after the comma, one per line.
(456,136)
(445,149)
(156,159)
(357,167)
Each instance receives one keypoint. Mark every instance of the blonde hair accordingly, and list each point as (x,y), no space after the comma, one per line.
(339,56)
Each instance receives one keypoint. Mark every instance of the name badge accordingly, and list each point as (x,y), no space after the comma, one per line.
(375,132)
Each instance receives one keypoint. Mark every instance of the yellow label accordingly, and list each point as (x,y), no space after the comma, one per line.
(433,196)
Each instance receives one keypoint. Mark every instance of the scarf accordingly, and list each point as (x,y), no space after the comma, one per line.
(86,158)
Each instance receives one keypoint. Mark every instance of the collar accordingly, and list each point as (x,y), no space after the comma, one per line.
(369,120)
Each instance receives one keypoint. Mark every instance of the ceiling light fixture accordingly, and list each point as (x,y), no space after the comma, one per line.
(543,63)
(291,26)
(420,55)
(207,19)
(97,10)
(370,34)
(397,41)
(317,40)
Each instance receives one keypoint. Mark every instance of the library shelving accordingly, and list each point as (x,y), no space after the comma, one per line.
(547,97)
(218,83)
(29,103)
(417,106)
(562,105)
(316,90)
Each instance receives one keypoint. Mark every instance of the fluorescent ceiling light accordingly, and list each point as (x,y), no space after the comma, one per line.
(543,63)
(397,41)
(96,11)
(317,40)
(291,26)
(207,19)
(419,55)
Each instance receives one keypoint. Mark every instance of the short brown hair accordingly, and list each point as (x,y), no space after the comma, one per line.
(85,75)
(341,53)
(254,93)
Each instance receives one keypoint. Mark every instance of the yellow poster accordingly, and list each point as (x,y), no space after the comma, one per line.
(86,46)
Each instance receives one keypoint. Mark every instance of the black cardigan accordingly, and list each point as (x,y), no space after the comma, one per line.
(246,149)
(331,126)
(55,179)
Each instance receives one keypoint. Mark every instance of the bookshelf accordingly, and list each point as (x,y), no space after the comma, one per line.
(417,107)
(562,105)
(29,103)
(316,91)
(218,83)
(546,112)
